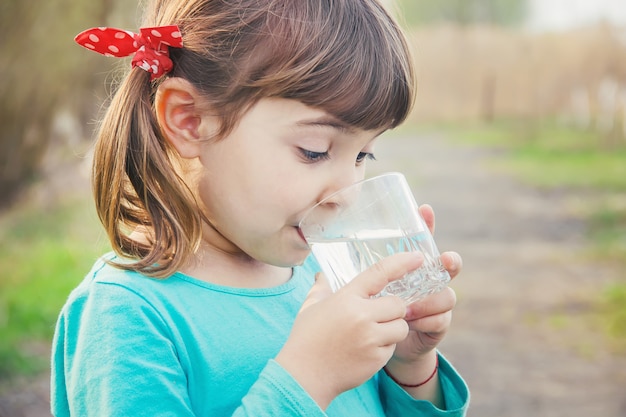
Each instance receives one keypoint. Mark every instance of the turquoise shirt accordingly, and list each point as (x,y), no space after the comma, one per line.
(130,345)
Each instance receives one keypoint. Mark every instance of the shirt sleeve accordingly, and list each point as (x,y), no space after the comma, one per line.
(397,402)
(276,393)
(113,356)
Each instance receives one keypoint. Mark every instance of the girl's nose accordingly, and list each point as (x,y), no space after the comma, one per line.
(340,181)
(339,193)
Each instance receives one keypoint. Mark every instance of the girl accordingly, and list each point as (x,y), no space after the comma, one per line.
(236,117)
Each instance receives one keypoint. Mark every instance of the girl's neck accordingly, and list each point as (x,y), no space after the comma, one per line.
(219,267)
(220,262)
(234,270)
(226,266)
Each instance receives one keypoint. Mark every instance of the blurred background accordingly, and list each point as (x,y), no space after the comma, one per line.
(536,87)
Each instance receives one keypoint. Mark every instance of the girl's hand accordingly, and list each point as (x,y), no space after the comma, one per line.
(429,319)
(339,341)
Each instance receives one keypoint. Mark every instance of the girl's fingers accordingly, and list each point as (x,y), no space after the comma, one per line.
(391,268)
(318,292)
(438,303)
(427,213)
(433,325)
(393,332)
(452,262)
(387,308)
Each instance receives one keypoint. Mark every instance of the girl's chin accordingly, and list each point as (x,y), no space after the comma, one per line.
(298,257)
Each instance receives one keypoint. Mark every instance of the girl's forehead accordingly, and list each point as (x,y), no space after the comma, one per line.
(293,113)
(296,114)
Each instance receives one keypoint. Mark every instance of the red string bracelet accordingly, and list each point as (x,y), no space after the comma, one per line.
(416,385)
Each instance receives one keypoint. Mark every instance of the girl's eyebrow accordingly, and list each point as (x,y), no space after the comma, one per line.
(325,122)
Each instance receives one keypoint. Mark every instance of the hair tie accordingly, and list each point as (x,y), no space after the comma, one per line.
(150,46)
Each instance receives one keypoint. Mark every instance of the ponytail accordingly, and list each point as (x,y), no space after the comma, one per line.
(136,185)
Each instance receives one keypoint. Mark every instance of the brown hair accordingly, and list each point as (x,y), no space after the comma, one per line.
(347,57)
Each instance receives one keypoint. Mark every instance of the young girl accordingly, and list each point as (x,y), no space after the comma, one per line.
(236,117)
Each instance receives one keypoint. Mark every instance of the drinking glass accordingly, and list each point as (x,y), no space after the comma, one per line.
(361,224)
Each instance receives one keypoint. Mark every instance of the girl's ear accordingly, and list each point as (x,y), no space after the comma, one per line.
(181,116)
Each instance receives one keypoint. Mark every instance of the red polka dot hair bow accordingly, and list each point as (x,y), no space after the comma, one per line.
(150,46)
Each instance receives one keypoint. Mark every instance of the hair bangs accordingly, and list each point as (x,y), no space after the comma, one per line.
(347,57)
(344,61)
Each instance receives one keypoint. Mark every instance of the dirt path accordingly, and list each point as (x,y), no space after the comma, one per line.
(518,335)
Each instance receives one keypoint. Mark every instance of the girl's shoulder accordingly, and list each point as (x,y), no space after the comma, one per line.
(105,280)
(104,272)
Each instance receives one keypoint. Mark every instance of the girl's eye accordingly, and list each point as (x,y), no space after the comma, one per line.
(312,156)
(365,155)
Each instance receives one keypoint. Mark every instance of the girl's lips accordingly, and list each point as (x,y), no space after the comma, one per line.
(300,233)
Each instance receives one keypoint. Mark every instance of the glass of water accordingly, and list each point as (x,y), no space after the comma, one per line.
(357,226)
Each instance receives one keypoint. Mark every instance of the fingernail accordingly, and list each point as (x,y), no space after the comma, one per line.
(455,262)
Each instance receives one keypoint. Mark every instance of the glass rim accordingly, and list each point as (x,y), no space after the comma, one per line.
(347,187)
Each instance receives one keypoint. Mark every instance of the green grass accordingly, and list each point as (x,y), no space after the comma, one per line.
(608,232)
(552,156)
(43,255)
(549,155)
(611,315)
(585,169)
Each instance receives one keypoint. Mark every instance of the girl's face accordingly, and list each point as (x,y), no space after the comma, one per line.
(282,158)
